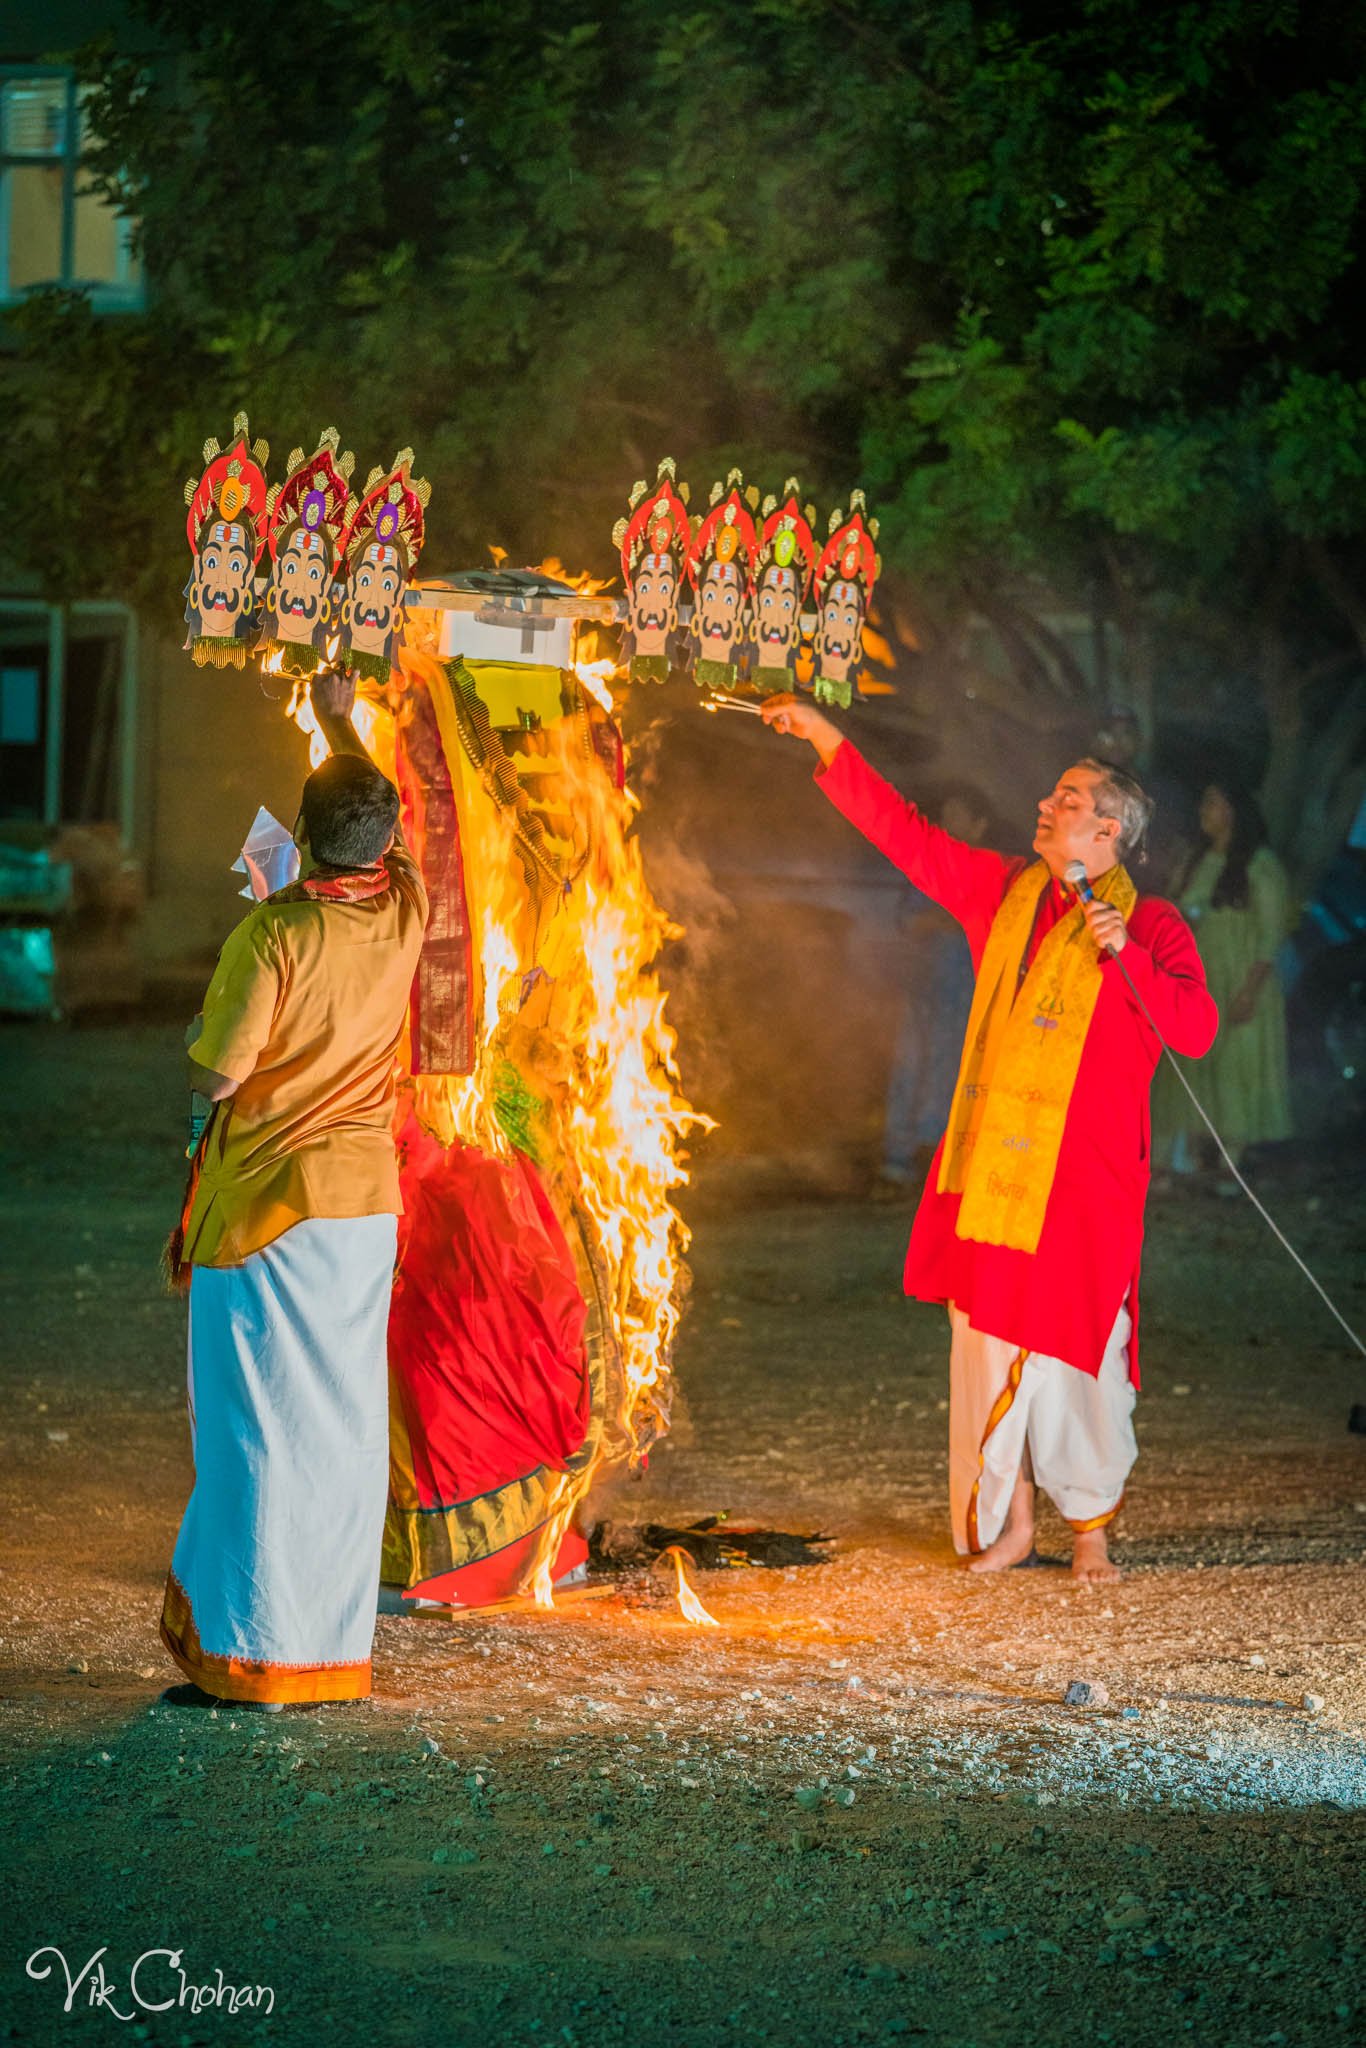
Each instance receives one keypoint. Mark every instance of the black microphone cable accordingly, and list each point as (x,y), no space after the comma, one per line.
(1075,874)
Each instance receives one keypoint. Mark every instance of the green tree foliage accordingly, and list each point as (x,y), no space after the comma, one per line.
(1073,289)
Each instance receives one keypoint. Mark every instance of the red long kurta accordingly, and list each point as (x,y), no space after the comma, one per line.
(1062,1299)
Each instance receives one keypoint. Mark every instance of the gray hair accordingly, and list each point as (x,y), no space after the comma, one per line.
(1120,795)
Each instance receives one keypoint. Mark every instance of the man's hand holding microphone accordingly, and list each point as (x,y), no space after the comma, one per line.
(1105,924)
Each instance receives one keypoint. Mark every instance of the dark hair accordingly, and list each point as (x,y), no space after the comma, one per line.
(1249,832)
(350,811)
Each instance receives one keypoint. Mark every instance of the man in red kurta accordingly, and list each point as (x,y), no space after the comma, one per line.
(1031,1225)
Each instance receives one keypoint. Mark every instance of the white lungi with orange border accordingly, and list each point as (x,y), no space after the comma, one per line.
(274,1583)
(1079,1431)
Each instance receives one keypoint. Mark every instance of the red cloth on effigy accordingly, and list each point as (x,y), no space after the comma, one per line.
(486,1327)
(441,1017)
(1062,1299)
(488,1365)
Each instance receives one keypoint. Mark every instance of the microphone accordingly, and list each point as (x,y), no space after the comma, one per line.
(1074,874)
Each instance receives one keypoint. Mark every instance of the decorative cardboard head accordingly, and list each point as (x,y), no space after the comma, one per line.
(380,549)
(721,571)
(226,532)
(307,517)
(786,558)
(845,575)
(654,553)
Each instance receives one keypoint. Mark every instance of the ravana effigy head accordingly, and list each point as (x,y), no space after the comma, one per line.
(844,577)
(225,528)
(307,517)
(721,571)
(786,558)
(380,549)
(653,543)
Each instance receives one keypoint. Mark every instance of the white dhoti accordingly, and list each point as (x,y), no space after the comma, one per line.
(1078,1430)
(273,1584)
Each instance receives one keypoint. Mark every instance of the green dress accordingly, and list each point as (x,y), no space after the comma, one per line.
(1242,1080)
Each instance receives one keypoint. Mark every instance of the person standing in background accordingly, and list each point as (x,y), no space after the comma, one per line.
(1236,896)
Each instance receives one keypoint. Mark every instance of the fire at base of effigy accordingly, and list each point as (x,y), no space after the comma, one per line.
(540,1120)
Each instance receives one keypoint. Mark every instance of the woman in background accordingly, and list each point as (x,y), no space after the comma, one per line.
(1236,895)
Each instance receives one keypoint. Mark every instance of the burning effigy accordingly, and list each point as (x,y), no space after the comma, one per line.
(540,1118)
(540,1112)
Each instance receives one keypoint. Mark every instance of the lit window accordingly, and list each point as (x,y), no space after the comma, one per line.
(53,229)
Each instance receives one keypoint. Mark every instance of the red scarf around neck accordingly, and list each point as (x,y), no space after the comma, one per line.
(334,885)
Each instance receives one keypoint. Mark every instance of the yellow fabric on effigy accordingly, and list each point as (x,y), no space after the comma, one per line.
(518,877)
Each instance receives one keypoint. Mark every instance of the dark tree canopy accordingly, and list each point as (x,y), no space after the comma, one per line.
(1074,291)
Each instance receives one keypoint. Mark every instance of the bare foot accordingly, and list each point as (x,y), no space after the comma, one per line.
(1091,1557)
(1014,1544)
(1016,1540)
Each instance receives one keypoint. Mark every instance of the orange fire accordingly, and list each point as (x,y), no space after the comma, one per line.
(689,1606)
(622,1114)
(596,677)
(590,1042)
(878,648)
(586,584)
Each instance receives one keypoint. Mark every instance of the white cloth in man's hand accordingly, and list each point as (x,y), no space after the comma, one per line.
(269,859)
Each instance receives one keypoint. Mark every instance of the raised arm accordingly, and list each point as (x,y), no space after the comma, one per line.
(332,693)
(969,881)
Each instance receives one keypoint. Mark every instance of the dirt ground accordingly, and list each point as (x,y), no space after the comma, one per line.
(855,1811)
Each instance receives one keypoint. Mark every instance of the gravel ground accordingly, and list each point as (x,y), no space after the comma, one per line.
(856,1810)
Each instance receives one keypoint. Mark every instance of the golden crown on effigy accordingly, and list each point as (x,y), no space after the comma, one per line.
(225,528)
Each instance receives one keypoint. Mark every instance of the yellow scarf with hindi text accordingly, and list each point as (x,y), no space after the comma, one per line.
(1019,1066)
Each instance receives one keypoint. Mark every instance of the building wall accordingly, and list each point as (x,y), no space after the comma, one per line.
(212,748)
